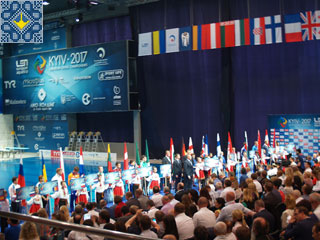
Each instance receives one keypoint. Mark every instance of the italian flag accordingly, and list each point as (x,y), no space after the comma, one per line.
(242,32)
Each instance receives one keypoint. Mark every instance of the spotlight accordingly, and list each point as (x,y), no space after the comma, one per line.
(45,3)
(78,18)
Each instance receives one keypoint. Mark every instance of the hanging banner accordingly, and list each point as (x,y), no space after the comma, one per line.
(84,79)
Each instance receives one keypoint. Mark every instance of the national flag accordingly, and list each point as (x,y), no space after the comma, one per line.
(203,146)
(273,29)
(218,145)
(44,171)
(185,34)
(145,44)
(242,32)
(62,165)
(191,145)
(246,140)
(227,30)
(137,155)
(205,37)
(183,150)
(171,151)
(274,139)
(293,28)
(196,37)
(159,39)
(21,179)
(125,158)
(229,152)
(172,40)
(215,35)
(266,138)
(206,146)
(257,31)
(147,154)
(259,144)
(109,159)
(81,167)
(310,25)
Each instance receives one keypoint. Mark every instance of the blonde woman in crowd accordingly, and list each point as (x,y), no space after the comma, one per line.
(28,232)
(290,202)
(238,220)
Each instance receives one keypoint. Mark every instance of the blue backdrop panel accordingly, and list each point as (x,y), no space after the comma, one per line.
(85,79)
(42,131)
(1,92)
(52,39)
(303,131)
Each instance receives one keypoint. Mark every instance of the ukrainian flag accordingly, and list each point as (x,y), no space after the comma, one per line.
(159,45)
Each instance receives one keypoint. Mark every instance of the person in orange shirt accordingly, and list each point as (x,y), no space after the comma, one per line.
(73,195)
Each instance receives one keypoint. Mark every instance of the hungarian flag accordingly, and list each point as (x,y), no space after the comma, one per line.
(266,137)
(259,143)
(44,171)
(62,164)
(218,145)
(109,159)
(191,145)
(137,155)
(171,151)
(81,167)
(147,154)
(21,179)
(183,151)
(125,158)
(242,32)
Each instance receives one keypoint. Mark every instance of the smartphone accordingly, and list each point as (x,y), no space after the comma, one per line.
(86,216)
(153,219)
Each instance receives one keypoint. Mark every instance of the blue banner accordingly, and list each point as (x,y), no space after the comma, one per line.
(42,131)
(48,188)
(52,39)
(128,175)
(91,179)
(25,192)
(144,171)
(112,177)
(165,170)
(84,79)
(77,184)
(296,131)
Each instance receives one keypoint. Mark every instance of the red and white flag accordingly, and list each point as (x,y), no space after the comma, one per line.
(62,165)
(292,28)
(171,150)
(125,158)
(259,143)
(266,138)
(258,31)
(310,25)
(191,145)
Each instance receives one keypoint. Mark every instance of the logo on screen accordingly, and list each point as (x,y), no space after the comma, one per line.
(101,52)
(42,94)
(172,38)
(40,64)
(283,122)
(86,99)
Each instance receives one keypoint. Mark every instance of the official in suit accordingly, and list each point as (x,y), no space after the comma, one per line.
(165,182)
(188,173)
(177,170)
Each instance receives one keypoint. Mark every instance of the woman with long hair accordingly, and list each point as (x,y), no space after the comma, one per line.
(28,231)
(238,220)
(170,226)
(186,201)
(204,193)
(193,195)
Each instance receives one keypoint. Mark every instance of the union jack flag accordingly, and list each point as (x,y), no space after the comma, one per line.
(310,25)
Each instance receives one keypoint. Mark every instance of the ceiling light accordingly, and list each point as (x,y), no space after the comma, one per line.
(45,3)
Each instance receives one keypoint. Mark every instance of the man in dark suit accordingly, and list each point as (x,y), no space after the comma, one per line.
(131,200)
(165,182)
(166,159)
(180,192)
(177,170)
(259,207)
(188,172)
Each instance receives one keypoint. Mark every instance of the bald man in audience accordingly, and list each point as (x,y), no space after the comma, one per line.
(315,204)
(166,206)
(204,217)
(230,206)
(220,230)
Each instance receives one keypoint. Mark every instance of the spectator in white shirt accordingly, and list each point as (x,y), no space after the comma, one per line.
(204,217)
(15,204)
(220,230)
(151,209)
(184,223)
(254,177)
(173,201)
(227,188)
(156,197)
(145,225)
